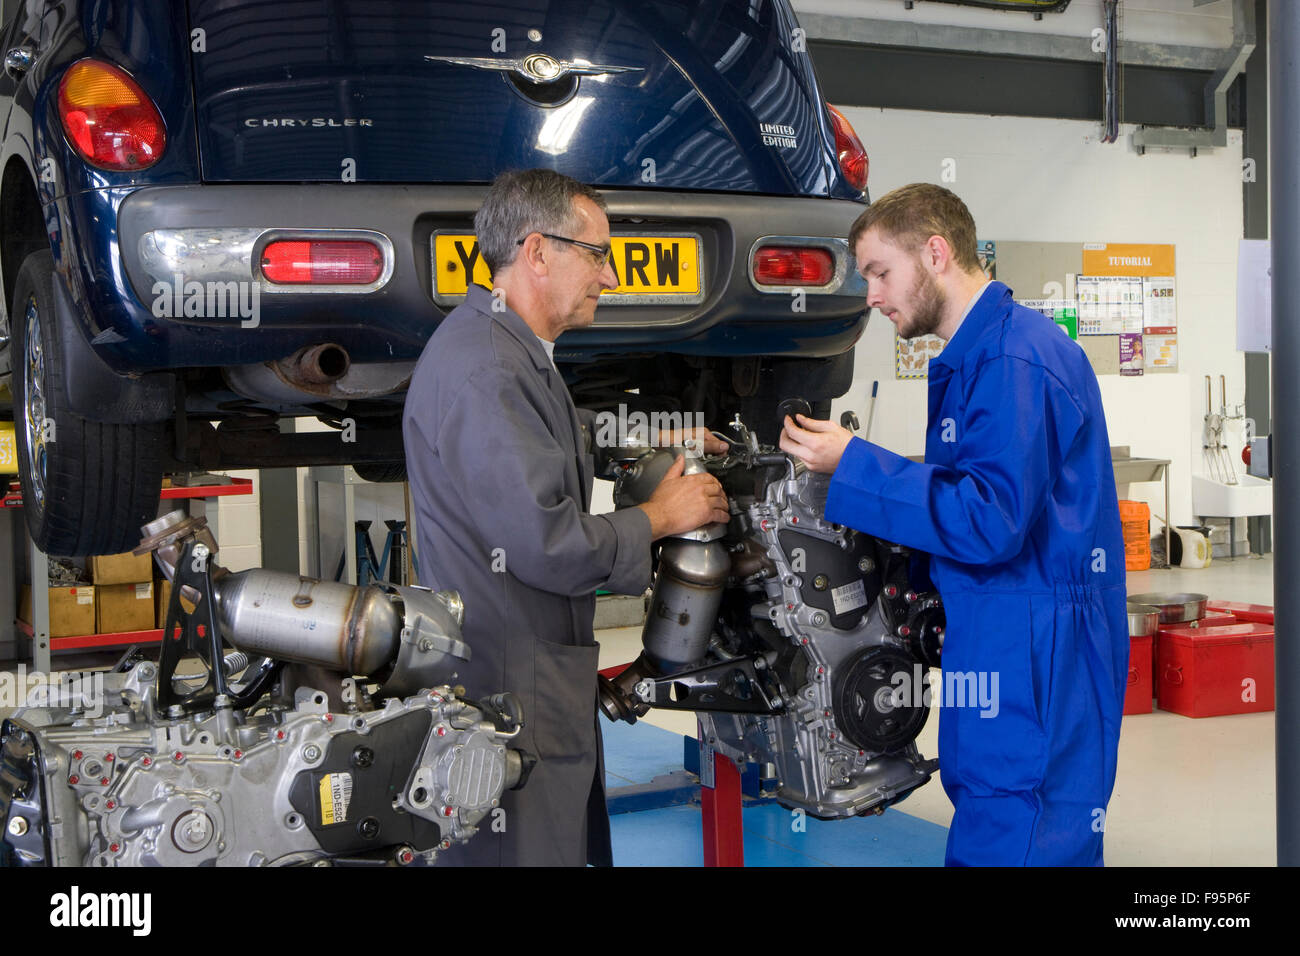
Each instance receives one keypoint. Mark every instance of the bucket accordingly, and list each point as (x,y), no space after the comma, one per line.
(1190,547)
(1135,517)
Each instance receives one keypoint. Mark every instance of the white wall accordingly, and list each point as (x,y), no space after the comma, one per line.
(236,523)
(1043,180)
(1150,21)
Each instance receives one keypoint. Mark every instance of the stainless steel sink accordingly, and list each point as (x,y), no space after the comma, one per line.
(1138,469)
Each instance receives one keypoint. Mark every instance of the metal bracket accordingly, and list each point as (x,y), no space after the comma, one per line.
(200,635)
(729,687)
(427,645)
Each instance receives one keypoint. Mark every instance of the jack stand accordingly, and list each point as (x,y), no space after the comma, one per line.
(371,570)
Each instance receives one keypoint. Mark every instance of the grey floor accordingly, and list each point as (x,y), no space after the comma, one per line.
(1189,792)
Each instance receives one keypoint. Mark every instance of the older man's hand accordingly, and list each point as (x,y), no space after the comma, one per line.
(683,503)
(819,443)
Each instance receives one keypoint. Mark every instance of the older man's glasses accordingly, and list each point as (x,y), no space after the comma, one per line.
(600,254)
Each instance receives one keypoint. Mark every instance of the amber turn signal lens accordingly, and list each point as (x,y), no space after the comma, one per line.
(109,119)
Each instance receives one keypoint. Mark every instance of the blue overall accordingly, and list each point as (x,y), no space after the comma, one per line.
(1016,506)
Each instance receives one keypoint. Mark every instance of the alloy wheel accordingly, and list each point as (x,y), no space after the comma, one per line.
(34,415)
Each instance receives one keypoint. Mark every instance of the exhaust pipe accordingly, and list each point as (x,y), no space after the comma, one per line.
(315,365)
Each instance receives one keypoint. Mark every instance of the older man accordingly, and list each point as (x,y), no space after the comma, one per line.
(1016,504)
(501,469)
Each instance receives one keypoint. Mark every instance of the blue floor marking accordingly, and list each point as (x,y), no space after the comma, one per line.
(637,753)
(671,836)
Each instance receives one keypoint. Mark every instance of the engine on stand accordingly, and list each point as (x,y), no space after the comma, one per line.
(286,721)
(803,646)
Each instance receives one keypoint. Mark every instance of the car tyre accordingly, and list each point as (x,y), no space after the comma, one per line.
(385,472)
(87,486)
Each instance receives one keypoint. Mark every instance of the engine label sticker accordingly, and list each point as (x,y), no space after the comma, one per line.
(849,597)
(335,795)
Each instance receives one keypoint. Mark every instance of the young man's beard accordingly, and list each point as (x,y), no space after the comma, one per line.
(927,304)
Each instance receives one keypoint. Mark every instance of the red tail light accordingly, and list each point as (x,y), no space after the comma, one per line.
(852,154)
(793,265)
(322,262)
(111,122)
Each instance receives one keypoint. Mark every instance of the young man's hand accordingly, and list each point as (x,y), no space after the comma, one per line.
(819,443)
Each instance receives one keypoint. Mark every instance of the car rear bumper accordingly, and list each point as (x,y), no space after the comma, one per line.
(169,238)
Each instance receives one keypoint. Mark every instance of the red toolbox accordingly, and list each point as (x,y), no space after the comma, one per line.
(1206,672)
(1137,697)
(1217,617)
(1212,618)
(1252,613)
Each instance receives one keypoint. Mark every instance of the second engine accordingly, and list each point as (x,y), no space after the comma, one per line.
(286,721)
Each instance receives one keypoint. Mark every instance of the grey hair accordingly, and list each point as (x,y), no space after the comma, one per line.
(526,201)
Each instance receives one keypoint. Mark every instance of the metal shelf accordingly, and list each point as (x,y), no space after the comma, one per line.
(81,641)
(38,630)
(238,486)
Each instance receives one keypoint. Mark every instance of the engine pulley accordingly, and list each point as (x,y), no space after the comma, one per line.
(877,701)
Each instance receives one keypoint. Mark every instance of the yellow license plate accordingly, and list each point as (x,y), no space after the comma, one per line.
(649,268)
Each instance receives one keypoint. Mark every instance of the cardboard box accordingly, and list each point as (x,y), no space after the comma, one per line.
(163,588)
(121,568)
(1137,697)
(72,609)
(125,607)
(164,591)
(1208,672)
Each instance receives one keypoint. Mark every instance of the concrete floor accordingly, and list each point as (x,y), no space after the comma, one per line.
(1189,792)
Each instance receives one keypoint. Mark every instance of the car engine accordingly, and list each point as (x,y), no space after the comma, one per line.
(804,646)
(248,742)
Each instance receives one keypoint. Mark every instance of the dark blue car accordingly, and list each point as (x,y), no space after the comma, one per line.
(215,214)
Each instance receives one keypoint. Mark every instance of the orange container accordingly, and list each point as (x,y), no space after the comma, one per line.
(1135,517)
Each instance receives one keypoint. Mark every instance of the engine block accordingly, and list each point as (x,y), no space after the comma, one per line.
(804,646)
(295,784)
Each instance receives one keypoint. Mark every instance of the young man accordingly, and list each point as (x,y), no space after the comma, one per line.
(501,481)
(1016,505)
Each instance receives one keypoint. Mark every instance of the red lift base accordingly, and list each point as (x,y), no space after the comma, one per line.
(724,840)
